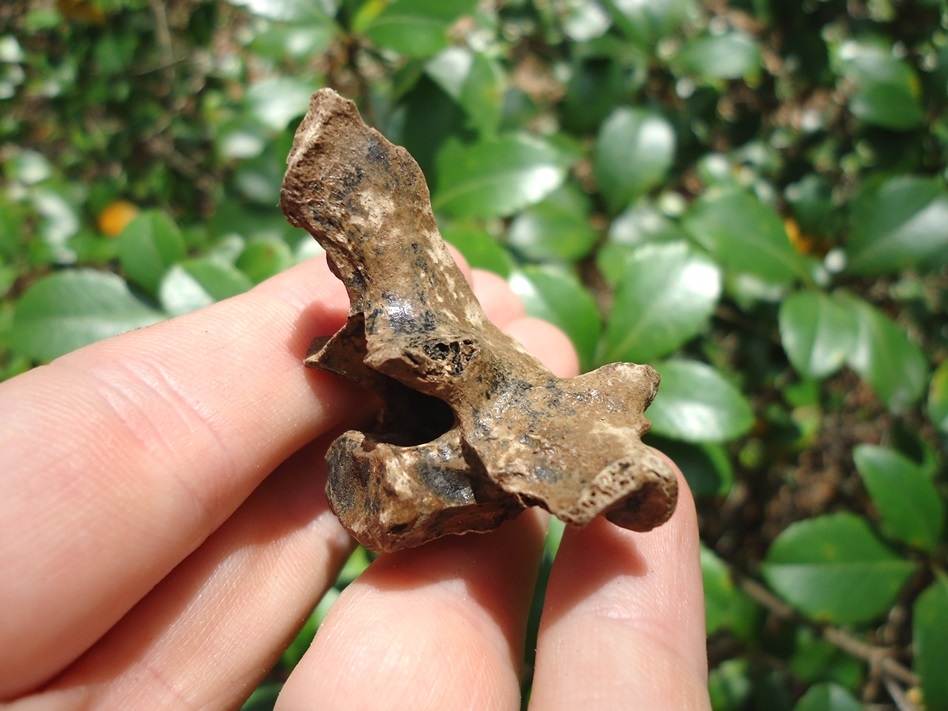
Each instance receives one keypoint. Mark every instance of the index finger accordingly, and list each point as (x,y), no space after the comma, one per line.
(119,459)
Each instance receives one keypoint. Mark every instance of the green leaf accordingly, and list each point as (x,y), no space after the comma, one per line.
(647,23)
(834,569)
(8,276)
(718,590)
(642,223)
(883,89)
(58,209)
(240,139)
(26,166)
(235,217)
(479,249)
(276,101)
(633,152)
(228,248)
(898,224)
(557,297)
(811,203)
(585,21)
(450,70)
(416,28)
(220,279)
(817,333)
(496,177)
(556,229)
(665,298)
(147,248)
(696,404)
(258,180)
(911,508)
(726,607)
(595,87)
(745,236)
(429,120)
(938,398)
(197,283)
(929,622)
(482,95)
(299,40)
(475,82)
(707,467)
(296,11)
(265,696)
(263,258)
(359,560)
(113,53)
(71,309)
(884,356)
(638,225)
(733,55)
(306,249)
(817,660)
(13,216)
(828,697)
(730,686)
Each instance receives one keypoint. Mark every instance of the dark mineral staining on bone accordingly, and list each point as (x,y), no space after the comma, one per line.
(471,429)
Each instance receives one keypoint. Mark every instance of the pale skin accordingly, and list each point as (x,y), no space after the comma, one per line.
(165,533)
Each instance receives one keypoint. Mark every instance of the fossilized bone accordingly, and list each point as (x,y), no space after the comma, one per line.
(472,429)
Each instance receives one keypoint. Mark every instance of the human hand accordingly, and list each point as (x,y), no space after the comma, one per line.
(165,533)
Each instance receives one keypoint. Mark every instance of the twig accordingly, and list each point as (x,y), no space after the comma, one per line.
(879,659)
(162,32)
(163,65)
(898,696)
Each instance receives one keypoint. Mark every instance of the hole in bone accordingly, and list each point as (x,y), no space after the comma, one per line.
(409,418)
(455,354)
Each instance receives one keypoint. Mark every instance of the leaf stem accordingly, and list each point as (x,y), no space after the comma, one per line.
(880,659)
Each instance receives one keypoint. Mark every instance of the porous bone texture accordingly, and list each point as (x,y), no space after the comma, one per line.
(471,429)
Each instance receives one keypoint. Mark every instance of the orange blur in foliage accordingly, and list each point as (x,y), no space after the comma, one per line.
(82,11)
(115,216)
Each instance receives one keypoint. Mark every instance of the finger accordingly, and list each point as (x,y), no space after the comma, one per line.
(623,622)
(492,291)
(428,627)
(431,628)
(135,400)
(556,352)
(506,310)
(496,297)
(119,459)
(206,603)
(209,631)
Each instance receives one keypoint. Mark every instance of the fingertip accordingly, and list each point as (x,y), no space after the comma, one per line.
(633,596)
(548,343)
(505,309)
(498,300)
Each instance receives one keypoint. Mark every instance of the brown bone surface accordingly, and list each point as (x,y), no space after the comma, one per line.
(471,429)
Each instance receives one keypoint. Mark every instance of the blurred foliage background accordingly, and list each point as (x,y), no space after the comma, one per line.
(748,194)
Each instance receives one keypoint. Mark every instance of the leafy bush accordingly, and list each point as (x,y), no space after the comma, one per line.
(749,195)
